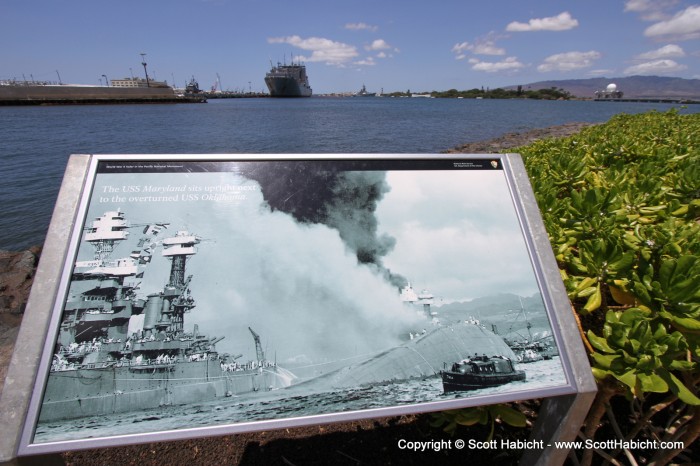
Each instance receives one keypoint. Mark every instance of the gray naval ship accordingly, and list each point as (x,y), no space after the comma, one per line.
(288,81)
(118,352)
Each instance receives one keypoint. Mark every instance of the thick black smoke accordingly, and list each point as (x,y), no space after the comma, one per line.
(343,200)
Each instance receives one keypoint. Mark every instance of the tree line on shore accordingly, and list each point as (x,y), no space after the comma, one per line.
(552,93)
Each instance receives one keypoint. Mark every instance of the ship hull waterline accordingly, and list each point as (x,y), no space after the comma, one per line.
(286,87)
(81,393)
(90,95)
(456,382)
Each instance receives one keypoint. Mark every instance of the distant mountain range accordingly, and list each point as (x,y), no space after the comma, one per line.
(631,86)
(506,314)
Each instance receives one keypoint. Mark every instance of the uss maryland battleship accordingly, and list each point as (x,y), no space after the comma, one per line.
(118,352)
(288,81)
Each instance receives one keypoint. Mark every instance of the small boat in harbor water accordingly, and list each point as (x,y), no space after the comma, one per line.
(480,372)
(527,354)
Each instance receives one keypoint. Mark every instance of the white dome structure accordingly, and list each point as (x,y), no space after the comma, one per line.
(610,92)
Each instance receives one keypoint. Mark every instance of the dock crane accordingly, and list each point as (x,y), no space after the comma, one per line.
(258,346)
(216,87)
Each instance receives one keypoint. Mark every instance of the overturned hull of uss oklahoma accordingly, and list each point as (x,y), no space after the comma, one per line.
(421,357)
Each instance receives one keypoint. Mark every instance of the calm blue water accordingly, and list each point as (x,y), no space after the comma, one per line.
(35,142)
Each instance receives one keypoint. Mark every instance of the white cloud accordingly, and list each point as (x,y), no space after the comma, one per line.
(600,72)
(369,61)
(509,64)
(360,27)
(667,51)
(650,10)
(638,5)
(568,61)
(656,67)
(485,47)
(684,25)
(488,48)
(322,50)
(561,22)
(460,48)
(378,44)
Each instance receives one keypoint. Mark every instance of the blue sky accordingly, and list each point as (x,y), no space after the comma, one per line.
(396,46)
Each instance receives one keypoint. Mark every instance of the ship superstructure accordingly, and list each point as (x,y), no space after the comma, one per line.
(423,300)
(118,351)
(288,81)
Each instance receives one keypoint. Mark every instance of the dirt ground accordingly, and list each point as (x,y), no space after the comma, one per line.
(365,442)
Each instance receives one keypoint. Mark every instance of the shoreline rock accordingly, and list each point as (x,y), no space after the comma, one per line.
(16,275)
(515,139)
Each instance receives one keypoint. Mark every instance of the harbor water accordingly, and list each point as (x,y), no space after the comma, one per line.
(283,404)
(37,141)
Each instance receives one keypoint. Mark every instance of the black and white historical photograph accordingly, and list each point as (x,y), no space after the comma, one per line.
(218,293)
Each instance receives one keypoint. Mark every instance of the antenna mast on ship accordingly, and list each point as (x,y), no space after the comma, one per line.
(143,62)
(178,248)
(105,232)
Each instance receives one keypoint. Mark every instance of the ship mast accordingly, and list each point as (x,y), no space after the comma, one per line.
(105,232)
(143,62)
(177,294)
(178,248)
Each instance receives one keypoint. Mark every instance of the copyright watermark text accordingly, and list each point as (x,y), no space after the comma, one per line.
(471,444)
(502,444)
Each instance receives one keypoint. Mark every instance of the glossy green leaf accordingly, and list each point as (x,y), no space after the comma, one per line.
(509,415)
(599,343)
(469,416)
(679,389)
(594,300)
(652,383)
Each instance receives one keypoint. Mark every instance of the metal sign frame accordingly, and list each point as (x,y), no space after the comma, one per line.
(96,319)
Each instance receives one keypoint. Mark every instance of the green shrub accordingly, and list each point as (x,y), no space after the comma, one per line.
(621,205)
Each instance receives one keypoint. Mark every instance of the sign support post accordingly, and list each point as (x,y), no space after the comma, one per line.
(21,373)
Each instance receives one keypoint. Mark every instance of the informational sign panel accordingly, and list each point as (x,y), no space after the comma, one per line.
(204,295)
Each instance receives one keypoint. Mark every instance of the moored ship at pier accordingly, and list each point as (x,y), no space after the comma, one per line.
(46,93)
(288,81)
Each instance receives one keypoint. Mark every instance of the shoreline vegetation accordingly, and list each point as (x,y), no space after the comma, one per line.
(552,93)
(621,204)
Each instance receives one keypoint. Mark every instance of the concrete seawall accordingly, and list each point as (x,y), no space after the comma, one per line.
(58,94)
